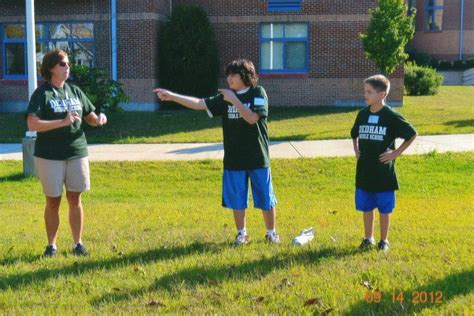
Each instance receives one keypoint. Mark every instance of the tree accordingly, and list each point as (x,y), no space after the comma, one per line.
(390,29)
(188,60)
(104,93)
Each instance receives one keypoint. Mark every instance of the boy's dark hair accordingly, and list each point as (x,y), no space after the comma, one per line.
(245,69)
(380,83)
(51,59)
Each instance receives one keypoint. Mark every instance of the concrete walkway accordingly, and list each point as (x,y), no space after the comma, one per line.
(283,149)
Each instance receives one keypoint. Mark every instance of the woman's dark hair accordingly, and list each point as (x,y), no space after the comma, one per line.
(245,69)
(51,59)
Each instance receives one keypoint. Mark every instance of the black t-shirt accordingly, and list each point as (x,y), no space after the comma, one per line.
(245,145)
(376,133)
(48,103)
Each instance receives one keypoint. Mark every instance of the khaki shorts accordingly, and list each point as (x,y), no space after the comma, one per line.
(53,174)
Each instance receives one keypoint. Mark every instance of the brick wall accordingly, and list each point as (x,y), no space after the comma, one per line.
(444,45)
(337,62)
(259,7)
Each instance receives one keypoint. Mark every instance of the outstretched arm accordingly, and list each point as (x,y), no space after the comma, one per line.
(187,101)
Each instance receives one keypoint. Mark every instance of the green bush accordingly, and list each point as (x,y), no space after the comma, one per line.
(445,65)
(459,64)
(434,63)
(421,80)
(188,53)
(470,62)
(103,92)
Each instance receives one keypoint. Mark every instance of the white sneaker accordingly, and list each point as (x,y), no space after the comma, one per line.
(272,238)
(241,239)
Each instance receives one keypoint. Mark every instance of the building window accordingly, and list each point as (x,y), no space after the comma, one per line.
(284,48)
(434,15)
(284,5)
(77,39)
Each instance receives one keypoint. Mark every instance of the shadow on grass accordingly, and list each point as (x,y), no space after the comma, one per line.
(213,275)
(132,125)
(461,283)
(13,127)
(15,281)
(11,260)
(461,123)
(15,177)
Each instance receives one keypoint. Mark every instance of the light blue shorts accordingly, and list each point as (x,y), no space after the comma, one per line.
(235,189)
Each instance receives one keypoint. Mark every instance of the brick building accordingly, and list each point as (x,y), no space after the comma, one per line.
(444,29)
(307,52)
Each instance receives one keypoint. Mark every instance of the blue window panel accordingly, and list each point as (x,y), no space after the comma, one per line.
(284,5)
(76,38)
(433,19)
(284,48)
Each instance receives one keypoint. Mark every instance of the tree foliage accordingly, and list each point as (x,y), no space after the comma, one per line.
(389,31)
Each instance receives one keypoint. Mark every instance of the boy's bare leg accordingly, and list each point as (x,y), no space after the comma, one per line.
(384,226)
(239,218)
(369,224)
(269,218)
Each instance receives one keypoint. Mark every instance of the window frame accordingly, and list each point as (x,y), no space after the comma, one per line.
(296,7)
(433,9)
(284,40)
(70,40)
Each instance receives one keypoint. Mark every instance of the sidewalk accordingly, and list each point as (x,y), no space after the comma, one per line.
(283,149)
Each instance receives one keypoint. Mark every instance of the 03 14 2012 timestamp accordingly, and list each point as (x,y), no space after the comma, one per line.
(400,296)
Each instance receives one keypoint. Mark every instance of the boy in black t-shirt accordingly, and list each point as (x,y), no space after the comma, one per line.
(373,134)
(244,111)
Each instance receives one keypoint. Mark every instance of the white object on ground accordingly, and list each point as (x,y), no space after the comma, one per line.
(304,237)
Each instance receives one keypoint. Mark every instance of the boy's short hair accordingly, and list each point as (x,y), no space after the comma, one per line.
(379,83)
(51,59)
(245,69)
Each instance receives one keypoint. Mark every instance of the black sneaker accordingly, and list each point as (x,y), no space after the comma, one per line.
(367,244)
(382,246)
(80,250)
(50,251)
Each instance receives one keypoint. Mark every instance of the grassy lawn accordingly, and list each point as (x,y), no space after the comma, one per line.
(159,243)
(449,112)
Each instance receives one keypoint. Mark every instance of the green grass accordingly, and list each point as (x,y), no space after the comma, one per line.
(449,112)
(156,232)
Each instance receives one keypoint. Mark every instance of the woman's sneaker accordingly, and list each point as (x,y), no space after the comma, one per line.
(50,251)
(367,244)
(382,246)
(241,239)
(80,250)
(272,238)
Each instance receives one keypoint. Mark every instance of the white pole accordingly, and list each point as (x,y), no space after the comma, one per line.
(31,46)
(461,31)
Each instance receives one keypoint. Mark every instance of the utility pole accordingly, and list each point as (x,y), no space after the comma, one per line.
(31,46)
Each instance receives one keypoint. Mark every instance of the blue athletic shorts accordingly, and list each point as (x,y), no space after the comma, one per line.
(367,201)
(235,189)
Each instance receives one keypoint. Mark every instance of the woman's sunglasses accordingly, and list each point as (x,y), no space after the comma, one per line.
(63,64)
